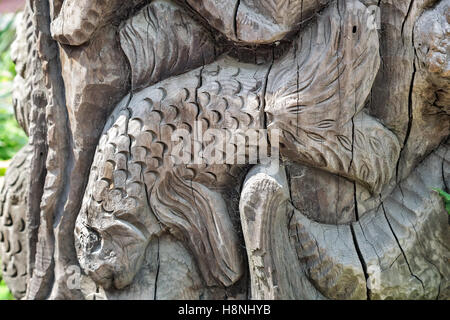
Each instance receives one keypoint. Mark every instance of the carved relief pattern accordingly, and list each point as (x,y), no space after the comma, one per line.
(13,222)
(110,92)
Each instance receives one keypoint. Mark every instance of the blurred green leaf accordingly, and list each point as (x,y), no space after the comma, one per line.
(5,294)
(12,137)
(446,198)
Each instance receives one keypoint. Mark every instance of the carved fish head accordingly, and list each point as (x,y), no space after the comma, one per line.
(110,246)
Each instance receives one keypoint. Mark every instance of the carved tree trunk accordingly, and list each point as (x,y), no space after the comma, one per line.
(351,97)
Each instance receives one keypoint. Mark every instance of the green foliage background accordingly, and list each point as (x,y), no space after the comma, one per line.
(12,137)
(446,197)
(4,291)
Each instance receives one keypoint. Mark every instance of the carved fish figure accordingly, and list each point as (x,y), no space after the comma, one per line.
(314,94)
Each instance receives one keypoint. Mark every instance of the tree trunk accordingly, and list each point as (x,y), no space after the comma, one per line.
(183,149)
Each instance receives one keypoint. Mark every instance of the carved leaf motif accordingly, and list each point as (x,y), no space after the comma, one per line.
(326,124)
(364,171)
(360,140)
(345,142)
(316,137)
(376,145)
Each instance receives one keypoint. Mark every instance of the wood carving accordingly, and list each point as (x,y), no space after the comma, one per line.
(13,222)
(186,149)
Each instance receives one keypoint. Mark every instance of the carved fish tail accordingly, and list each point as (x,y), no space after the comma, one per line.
(179,194)
(199,217)
(335,279)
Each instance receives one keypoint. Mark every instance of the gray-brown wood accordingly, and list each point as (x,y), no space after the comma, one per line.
(13,222)
(151,124)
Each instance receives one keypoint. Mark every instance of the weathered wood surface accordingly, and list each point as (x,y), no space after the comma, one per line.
(350,99)
(13,234)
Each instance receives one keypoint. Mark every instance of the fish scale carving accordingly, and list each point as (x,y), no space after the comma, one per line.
(13,222)
(134,163)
